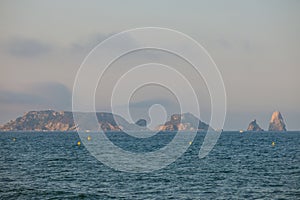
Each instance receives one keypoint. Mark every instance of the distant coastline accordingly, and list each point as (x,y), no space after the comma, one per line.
(62,121)
(50,120)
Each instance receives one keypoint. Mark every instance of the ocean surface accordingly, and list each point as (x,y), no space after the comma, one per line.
(50,165)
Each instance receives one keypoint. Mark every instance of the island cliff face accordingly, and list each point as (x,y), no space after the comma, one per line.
(186,121)
(253,126)
(276,122)
(41,120)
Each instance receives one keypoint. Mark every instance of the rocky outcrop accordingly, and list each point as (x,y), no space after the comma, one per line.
(141,122)
(184,122)
(277,122)
(253,126)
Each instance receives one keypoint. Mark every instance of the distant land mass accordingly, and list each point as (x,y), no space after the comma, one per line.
(50,120)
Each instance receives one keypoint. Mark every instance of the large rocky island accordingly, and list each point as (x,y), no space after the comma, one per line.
(50,120)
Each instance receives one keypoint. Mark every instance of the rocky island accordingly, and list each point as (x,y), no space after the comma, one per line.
(186,121)
(276,122)
(253,126)
(41,120)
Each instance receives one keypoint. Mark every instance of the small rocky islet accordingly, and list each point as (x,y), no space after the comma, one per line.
(253,126)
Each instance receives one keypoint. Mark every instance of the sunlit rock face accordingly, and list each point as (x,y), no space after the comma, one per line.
(253,126)
(42,120)
(277,123)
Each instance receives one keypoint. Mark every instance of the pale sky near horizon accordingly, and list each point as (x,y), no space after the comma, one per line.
(255,44)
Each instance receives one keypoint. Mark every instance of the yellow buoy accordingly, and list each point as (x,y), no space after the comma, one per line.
(14,139)
(273,143)
(78,143)
(190,143)
(89,138)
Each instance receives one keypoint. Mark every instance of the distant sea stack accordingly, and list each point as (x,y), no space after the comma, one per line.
(277,123)
(253,126)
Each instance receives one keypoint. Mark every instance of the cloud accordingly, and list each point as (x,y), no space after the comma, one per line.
(46,94)
(9,97)
(224,43)
(150,102)
(54,94)
(240,45)
(24,47)
(88,43)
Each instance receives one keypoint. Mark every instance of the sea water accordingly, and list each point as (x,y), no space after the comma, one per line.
(51,165)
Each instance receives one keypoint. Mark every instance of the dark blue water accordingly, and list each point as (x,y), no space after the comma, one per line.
(39,165)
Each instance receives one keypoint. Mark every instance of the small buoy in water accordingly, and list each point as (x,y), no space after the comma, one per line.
(273,144)
(190,142)
(78,143)
(14,139)
(89,138)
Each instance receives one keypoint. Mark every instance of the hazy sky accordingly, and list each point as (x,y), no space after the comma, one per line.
(255,44)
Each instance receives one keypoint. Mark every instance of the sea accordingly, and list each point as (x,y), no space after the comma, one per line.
(248,165)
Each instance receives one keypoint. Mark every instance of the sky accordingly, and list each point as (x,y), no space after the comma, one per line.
(255,45)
